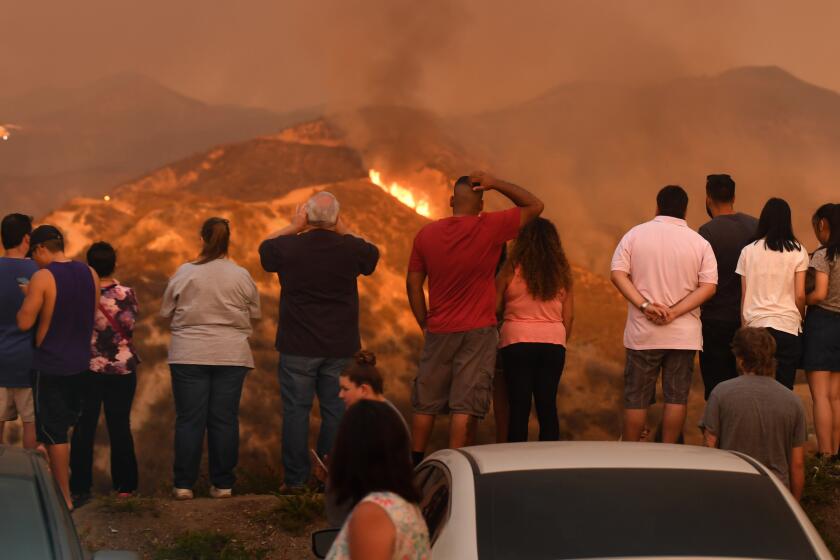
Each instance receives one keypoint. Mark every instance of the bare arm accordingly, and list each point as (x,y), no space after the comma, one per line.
(820,289)
(371,533)
(797,472)
(28,313)
(743,299)
(569,313)
(502,281)
(296,225)
(622,281)
(692,301)
(799,286)
(529,204)
(417,297)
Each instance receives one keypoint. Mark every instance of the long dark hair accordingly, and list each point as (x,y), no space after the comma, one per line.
(831,214)
(776,228)
(371,454)
(543,264)
(216,236)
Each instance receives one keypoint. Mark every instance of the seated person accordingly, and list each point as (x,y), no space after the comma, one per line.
(757,415)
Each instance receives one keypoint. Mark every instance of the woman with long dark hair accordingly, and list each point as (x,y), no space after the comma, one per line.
(535,298)
(211,302)
(821,335)
(370,468)
(773,270)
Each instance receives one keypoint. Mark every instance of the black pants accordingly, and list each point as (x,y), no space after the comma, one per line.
(116,393)
(533,371)
(206,399)
(788,352)
(717,362)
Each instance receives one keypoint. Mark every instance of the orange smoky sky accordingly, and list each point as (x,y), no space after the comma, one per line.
(449,56)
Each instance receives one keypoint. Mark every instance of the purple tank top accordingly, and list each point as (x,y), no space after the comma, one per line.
(66,348)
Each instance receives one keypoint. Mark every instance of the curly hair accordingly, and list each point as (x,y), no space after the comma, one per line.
(539,255)
(756,349)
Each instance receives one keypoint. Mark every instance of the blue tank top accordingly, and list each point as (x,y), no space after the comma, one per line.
(66,348)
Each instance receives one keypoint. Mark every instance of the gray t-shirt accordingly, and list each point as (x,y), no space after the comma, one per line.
(758,416)
(820,263)
(728,235)
(211,306)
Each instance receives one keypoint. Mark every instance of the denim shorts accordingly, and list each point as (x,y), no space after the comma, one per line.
(642,371)
(821,340)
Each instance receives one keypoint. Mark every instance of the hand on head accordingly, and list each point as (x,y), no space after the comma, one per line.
(300,219)
(482,181)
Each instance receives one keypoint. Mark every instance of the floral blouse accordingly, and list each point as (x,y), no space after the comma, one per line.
(112,353)
(412,542)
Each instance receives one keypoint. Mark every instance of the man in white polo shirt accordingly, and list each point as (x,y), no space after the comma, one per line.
(665,271)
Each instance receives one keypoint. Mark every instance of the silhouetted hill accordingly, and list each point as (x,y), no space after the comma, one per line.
(604,149)
(79,141)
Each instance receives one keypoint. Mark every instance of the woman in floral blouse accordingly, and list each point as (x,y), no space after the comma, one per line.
(111,381)
(370,467)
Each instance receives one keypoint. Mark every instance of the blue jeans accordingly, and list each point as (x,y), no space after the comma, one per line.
(301,378)
(206,399)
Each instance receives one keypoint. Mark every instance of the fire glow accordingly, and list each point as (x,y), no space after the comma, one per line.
(401,193)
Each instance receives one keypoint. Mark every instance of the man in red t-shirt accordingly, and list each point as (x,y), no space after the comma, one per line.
(459,256)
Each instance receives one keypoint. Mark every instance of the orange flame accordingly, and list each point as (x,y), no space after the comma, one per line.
(401,193)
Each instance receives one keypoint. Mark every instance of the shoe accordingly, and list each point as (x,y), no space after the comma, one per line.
(80,499)
(220,493)
(286,490)
(182,493)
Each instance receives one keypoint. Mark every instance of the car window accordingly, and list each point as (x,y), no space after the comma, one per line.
(639,513)
(433,483)
(23,533)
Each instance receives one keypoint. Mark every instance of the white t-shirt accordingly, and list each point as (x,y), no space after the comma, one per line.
(211,306)
(770,298)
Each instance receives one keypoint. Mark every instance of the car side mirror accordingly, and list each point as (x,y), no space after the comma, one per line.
(322,541)
(116,555)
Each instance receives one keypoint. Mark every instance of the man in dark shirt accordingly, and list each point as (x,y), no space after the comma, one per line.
(318,262)
(728,233)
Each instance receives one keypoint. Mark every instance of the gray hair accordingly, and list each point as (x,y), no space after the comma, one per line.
(322,209)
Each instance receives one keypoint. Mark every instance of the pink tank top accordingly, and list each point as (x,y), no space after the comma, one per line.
(530,320)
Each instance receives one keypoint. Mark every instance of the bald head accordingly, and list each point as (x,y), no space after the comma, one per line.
(466,200)
(322,210)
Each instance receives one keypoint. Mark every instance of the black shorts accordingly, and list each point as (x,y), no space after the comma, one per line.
(57,405)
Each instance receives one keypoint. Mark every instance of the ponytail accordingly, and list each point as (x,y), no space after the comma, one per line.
(831,214)
(216,236)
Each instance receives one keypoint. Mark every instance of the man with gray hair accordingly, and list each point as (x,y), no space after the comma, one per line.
(318,262)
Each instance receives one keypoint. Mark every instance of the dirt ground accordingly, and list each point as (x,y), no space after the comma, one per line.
(149,525)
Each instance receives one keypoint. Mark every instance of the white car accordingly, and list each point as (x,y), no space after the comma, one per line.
(556,500)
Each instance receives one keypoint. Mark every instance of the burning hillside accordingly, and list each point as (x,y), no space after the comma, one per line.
(153,223)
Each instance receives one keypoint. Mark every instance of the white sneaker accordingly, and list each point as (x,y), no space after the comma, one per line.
(182,493)
(220,492)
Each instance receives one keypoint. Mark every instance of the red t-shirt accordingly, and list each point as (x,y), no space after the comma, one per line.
(460,255)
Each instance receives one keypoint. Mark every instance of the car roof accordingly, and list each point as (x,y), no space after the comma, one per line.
(16,462)
(508,457)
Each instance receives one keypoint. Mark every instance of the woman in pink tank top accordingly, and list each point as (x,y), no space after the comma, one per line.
(536,302)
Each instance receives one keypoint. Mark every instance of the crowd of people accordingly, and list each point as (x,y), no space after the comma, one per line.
(738,291)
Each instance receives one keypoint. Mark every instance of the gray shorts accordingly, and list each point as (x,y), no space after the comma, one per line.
(456,373)
(642,371)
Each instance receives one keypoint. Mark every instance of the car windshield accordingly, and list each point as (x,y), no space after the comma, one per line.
(610,513)
(22,530)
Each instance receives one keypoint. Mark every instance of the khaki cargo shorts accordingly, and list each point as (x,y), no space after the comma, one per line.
(16,401)
(456,373)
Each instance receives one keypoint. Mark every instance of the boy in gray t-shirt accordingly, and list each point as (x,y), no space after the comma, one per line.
(756,415)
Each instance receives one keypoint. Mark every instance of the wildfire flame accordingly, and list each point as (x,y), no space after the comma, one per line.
(401,193)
